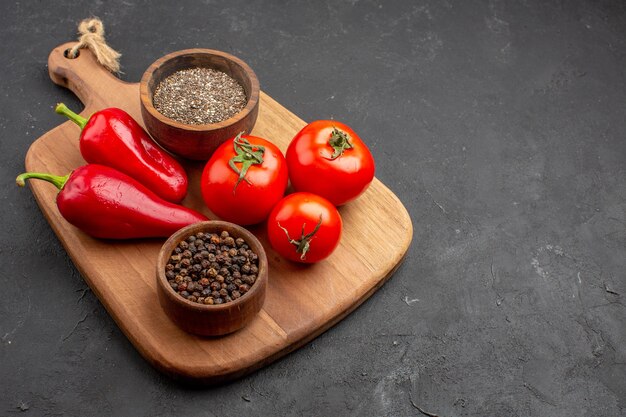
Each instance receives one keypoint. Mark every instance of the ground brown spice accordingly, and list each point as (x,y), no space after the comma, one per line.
(197,96)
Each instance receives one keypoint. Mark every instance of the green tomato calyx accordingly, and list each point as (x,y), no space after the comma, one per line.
(339,141)
(304,244)
(246,154)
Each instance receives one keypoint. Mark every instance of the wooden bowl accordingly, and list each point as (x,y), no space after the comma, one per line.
(197,141)
(211,320)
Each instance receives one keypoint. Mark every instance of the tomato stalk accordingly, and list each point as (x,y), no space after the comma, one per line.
(303,245)
(248,155)
(339,141)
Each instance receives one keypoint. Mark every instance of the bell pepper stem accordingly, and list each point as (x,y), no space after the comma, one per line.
(65,111)
(57,180)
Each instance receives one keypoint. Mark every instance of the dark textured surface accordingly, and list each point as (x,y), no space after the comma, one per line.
(500,125)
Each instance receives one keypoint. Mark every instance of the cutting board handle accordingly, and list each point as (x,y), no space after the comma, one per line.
(83,75)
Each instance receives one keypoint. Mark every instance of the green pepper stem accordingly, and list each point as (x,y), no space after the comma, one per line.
(57,180)
(65,111)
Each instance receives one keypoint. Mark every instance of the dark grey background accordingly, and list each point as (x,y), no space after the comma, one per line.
(499,124)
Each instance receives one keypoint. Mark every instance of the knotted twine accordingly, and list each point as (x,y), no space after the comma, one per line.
(91,32)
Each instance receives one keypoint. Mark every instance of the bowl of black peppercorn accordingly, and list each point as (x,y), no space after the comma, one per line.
(212,277)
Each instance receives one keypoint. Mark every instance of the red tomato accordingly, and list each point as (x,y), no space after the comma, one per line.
(304,227)
(244,179)
(327,158)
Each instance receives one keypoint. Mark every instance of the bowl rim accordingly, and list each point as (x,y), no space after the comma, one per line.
(146,102)
(262,275)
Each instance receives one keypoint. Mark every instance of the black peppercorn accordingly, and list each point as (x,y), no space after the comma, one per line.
(212,268)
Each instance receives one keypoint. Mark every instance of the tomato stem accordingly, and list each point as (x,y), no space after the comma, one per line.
(247,155)
(304,244)
(339,141)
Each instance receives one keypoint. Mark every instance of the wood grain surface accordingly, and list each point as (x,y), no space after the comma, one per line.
(301,301)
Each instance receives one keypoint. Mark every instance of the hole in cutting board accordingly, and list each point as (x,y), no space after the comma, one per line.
(67,55)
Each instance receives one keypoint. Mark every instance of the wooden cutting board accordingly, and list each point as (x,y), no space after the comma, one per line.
(302,301)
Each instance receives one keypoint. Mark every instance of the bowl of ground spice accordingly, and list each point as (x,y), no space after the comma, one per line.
(212,277)
(195,99)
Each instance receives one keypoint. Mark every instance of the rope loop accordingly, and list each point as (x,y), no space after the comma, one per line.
(91,33)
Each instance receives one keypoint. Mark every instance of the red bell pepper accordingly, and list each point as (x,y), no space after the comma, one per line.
(106,203)
(113,138)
